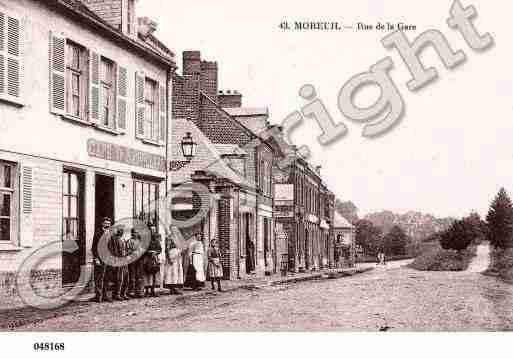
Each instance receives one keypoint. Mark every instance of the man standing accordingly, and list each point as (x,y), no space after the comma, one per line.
(118,249)
(101,270)
(135,268)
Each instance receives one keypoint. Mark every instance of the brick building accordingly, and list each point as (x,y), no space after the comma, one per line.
(245,220)
(304,212)
(345,246)
(84,130)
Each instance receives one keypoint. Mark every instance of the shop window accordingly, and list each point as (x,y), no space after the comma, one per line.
(146,196)
(7,202)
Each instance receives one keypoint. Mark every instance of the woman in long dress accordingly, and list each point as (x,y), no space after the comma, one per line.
(173,268)
(215,270)
(196,270)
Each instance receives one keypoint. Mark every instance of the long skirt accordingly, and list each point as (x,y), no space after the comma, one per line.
(199,266)
(215,270)
(173,272)
(195,272)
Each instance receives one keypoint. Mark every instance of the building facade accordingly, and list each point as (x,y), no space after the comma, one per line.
(245,213)
(304,210)
(345,246)
(84,102)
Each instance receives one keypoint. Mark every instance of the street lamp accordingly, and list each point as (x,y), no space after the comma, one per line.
(188,147)
(188,150)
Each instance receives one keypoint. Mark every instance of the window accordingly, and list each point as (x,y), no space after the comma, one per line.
(76,81)
(70,206)
(7,201)
(151,109)
(150,115)
(107,93)
(146,196)
(130,17)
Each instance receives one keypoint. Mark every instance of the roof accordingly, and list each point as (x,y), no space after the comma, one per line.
(151,45)
(246,111)
(341,222)
(207,157)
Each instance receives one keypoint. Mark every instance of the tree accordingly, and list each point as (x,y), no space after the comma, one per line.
(458,237)
(368,237)
(396,241)
(478,227)
(347,209)
(500,221)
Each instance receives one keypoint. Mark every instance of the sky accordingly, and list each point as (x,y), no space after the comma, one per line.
(453,149)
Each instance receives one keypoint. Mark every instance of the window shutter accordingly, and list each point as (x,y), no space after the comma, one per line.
(140,79)
(26,225)
(94,86)
(14,57)
(57,74)
(162,113)
(122,93)
(2,53)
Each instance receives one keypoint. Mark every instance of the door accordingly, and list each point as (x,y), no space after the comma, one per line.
(103,199)
(73,226)
(307,250)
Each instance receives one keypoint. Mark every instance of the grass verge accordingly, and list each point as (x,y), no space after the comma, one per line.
(435,258)
(501,264)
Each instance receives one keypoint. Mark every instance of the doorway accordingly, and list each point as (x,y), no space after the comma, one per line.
(103,199)
(73,225)
(307,251)
(250,245)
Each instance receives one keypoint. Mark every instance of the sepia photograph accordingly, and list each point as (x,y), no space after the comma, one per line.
(200,167)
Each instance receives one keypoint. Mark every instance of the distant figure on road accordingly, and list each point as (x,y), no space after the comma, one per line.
(381,258)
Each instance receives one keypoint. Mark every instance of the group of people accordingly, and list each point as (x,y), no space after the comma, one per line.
(135,270)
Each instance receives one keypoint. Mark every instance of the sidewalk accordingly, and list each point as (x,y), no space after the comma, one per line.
(14,315)
(227,285)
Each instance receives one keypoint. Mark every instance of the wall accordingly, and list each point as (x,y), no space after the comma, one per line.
(34,138)
(20,124)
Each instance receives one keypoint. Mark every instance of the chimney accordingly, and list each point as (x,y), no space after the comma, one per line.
(318,170)
(230,99)
(191,62)
(209,79)
(146,26)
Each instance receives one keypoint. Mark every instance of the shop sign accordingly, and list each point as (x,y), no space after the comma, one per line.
(126,155)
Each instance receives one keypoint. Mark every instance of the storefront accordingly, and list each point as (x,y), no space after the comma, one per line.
(44,200)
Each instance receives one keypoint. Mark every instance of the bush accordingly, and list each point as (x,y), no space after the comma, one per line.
(502,263)
(439,259)
(458,237)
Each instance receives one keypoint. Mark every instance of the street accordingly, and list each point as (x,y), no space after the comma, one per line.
(392,298)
